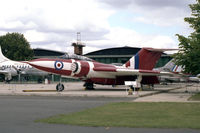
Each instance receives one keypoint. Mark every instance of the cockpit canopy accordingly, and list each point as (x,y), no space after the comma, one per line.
(74,56)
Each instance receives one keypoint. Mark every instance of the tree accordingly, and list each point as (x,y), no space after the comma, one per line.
(189,54)
(16,47)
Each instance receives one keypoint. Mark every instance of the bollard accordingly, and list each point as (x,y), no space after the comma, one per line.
(130,91)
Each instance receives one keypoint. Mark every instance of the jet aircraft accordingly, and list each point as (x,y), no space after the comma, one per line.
(172,67)
(12,68)
(139,69)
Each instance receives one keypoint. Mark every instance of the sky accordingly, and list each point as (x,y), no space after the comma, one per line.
(53,24)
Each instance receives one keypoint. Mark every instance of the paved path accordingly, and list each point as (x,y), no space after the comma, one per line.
(176,95)
(161,93)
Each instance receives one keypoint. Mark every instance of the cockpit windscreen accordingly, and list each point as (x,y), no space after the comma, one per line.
(74,56)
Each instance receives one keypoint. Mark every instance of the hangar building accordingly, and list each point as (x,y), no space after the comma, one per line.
(117,55)
(45,53)
(121,55)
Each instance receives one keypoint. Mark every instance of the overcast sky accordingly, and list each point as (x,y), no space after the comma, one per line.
(53,24)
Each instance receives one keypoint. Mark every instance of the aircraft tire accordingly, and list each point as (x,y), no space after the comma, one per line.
(89,86)
(60,87)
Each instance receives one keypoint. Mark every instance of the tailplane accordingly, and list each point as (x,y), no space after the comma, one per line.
(2,57)
(145,59)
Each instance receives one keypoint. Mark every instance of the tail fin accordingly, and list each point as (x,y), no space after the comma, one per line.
(145,59)
(2,57)
(171,67)
(168,67)
(177,68)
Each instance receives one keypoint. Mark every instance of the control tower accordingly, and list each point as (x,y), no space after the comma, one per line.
(78,46)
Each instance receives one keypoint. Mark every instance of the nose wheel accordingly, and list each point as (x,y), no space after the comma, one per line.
(60,87)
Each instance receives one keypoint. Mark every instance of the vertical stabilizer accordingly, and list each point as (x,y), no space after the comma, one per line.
(145,59)
(171,67)
(2,57)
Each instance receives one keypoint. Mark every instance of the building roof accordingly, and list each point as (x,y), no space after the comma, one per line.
(125,51)
(40,52)
(116,51)
(105,53)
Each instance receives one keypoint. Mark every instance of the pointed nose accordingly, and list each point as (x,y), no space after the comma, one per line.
(41,63)
(56,66)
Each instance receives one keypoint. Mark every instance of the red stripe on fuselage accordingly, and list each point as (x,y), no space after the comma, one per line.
(128,64)
(103,67)
(85,68)
(52,70)
(103,81)
(120,80)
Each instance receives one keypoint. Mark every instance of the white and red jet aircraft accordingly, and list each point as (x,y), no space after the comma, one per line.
(139,68)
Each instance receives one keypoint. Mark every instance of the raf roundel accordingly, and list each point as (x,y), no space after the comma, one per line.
(58,65)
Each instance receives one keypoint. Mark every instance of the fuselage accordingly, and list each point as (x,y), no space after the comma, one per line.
(71,67)
(13,68)
(89,71)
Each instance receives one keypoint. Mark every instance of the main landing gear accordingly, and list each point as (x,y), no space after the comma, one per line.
(88,86)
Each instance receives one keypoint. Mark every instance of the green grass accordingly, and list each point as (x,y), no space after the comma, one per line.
(144,115)
(195,97)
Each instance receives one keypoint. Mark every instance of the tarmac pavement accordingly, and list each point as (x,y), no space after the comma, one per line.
(161,93)
(181,94)
(19,109)
(18,113)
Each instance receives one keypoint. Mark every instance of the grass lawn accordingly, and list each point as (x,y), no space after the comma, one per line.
(126,114)
(195,97)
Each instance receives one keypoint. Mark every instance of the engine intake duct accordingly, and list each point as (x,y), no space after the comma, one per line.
(80,68)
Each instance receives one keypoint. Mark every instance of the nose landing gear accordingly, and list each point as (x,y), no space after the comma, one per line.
(60,87)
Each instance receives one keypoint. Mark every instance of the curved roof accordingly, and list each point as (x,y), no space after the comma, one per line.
(115,51)
(46,52)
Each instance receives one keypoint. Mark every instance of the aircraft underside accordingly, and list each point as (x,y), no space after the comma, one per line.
(120,80)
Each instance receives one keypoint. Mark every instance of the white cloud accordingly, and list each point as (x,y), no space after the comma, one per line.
(34,36)
(169,16)
(157,12)
(119,37)
(53,15)
(53,24)
(50,21)
(116,37)
(161,42)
